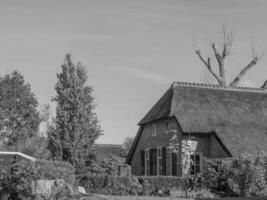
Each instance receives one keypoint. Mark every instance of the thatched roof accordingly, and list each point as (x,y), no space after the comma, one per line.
(237,115)
(110,151)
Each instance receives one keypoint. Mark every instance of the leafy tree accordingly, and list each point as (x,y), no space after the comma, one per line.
(19,117)
(76,125)
(35,146)
(127,143)
(47,120)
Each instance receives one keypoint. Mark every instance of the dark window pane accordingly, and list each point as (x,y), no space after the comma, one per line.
(197,159)
(192,172)
(166,124)
(197,169)
(174,164)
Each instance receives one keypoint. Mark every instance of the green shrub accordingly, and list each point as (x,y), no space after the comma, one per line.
(159,185)
(163,185)
(242,176)
(110,185)
(248,175)
(51,170)
(216,175)
(17,183)
(142,185)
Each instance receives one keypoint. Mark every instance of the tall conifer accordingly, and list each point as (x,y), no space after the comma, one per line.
(76,125)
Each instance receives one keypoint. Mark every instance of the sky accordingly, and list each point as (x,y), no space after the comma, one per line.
(132,49)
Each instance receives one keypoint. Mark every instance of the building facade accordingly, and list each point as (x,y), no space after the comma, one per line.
(197,121)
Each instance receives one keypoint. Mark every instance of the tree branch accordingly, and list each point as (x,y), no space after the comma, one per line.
(216,53)
(227,42)
(220,60)
(252,63)
(208,65)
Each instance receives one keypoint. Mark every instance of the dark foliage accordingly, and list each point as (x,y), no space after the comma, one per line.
(144,185)
(19,118)
(159,185)
(52,170)
(35,146)
(17,183)
(110,185)
(76,125)
(244,176)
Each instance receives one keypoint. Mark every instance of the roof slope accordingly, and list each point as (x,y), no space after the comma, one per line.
(110,151)
(238,115)
(160,109)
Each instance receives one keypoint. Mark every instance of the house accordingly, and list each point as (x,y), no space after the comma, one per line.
(208,120)
(115,153)
(110,151)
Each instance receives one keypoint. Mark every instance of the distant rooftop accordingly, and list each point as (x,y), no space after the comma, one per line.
(108,151)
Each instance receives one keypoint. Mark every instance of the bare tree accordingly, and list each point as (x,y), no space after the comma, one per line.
(221,55)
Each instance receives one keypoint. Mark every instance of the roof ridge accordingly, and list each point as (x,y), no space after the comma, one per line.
(214,86)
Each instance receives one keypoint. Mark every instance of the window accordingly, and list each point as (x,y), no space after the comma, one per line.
(154,129)
(159,161)
(147,169)
(173,163)
(195,163)
(166,124)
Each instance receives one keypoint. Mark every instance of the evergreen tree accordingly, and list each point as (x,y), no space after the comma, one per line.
(76,125)
(19,118)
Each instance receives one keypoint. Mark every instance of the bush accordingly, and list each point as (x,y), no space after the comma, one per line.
(159,185)
(143,185)
(17,183)
(216,177)
(51,170)
(243,176)
(110,185)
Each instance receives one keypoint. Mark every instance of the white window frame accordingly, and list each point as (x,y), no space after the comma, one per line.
(200,154)
(154,129)
(159,161)
(147,168)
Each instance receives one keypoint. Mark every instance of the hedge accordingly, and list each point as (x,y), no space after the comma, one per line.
(51,170)
(142,185)
(243,176)
(159,185)
(110,185)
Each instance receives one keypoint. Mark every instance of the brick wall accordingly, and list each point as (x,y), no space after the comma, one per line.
(162,138)
(216,149)
(206,143)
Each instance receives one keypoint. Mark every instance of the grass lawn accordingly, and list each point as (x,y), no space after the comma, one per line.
(104,197)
